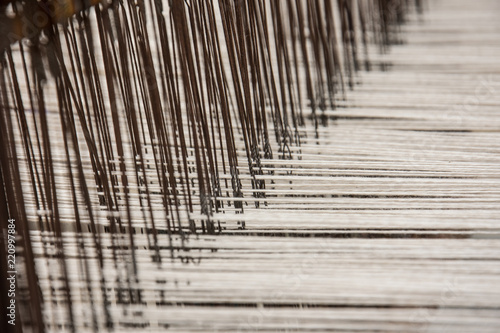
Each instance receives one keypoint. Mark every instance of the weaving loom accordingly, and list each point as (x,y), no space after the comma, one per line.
(250,166)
